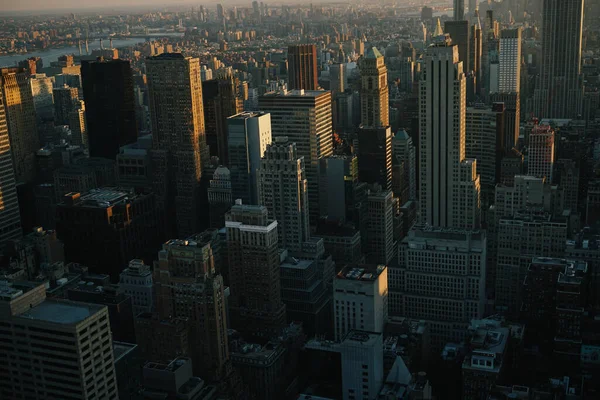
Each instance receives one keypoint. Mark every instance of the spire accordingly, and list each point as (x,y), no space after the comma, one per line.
(438,29)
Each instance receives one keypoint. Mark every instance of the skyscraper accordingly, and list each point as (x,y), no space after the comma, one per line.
(305,118)
(187,286)
(510,61)
(459,10)
(179,145)
(448,184)
(249,134)
(302,67)
(460,34)
(476,53)
(283,190)
(110,106)
(404,151)
(79,365)
(375,156)
(440,277)
(559,93)
(221,100)
(219,197)
(541,152)
(66,99)
(20,115)
(10,219)
(337,77)
(374,90)
(254,275)
(380,247)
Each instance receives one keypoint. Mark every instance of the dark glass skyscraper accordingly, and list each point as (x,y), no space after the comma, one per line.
(110,106)
(302,67)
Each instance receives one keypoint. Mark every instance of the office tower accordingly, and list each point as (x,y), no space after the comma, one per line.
(80,366)
(511,165)
(540,161)
(546,237)
(476,54)
(341,240)
(510,61)
(249,133)
(136,282)
(20,118)
(362,365)
(162,339)
(459,10)
(254,276)
(86,223)
(221,99)
(220,12)
(65,101)
(110,106)
(360,299)
(219,197)
(187,286)
(527,191)
(78,125)
(343,113)
(337,78)
(485,142)
(302,67)
(380,245)
(178,141)
(567,177)
(404,151)
(41,90)
(512,114)
(10,219)
(283,190)
(374,95)
(559,93)
(305,118)
(448,184)
(375,156)
(460,34)
(440,278)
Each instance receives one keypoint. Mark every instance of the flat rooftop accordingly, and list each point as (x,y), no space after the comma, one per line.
(361,338)
(294,263)
(121,349)
(361,272)
(61,312)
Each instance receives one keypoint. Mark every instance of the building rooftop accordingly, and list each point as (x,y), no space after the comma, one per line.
(61,312)
(296,93)
(449,239)
(294,263)
(361,338)
(247,114)
(100,198)
(361,272)
(121,349)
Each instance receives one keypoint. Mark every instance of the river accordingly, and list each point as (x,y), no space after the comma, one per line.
(52,54)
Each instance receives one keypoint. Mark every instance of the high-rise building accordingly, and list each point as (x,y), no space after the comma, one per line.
(440,278)
(509,77)
(546,237)
(380,244)
(219,197)
(460,34)
(78,125)
(448,184)
(110,106)
(10,219)
(305,118)
(404,151)
(302,67)
(459,10)
(249,133)
(476,54)
(41,89)
(362,365)
(540,161)
(360,299)
(19,110)
(485,143)
(512,116)
(374,95)
(179,145)
(559,93)
(87,224)
(283,190)
(79,365)
(567,177)
(254,276)
(221,100)
(337,78)
(66,99)
(375,156)
(136,282)
(187,286)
